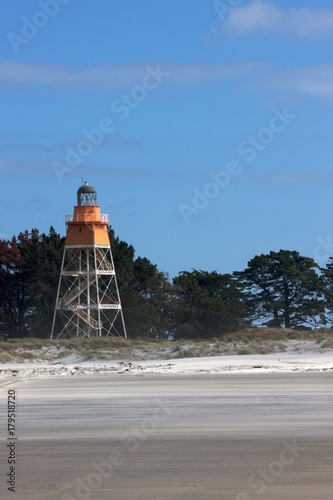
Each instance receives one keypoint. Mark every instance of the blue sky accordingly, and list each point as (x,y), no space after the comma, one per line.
(205,126)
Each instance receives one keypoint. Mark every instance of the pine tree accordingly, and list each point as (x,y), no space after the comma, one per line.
(282,290)
(206,304)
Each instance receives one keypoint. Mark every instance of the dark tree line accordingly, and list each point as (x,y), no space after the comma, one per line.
(281,289)
(29,275)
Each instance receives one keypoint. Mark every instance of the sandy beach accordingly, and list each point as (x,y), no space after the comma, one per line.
(226,427)
(75,364)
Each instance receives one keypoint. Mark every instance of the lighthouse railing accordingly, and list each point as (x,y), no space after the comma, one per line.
(86,218)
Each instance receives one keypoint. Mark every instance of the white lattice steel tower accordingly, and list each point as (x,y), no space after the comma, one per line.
(88,302)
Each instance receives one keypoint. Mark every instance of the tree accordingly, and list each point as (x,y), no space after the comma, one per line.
(10,290)
(47,265)
(282,289)
(144,291)
(205,304)
(29,274)
(327,286)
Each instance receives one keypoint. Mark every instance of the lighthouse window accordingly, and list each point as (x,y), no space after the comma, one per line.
(80,229)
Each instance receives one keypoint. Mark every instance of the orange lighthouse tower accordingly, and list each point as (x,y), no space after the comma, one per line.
(88,302)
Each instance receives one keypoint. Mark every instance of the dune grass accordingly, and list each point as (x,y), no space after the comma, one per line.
(249,341)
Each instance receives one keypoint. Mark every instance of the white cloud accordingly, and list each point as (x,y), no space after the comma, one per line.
(283,176)
(315,80)
(262,16)
(114,76)
(306,176)
(9,166)
(60,75)
(196,73)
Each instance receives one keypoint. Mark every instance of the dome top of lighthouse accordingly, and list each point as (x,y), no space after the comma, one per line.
(86,195)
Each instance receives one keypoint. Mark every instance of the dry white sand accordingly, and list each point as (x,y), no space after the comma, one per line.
(76,365)
(229,418)
(179,437)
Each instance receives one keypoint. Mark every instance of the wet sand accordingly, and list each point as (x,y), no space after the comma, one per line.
(230,436)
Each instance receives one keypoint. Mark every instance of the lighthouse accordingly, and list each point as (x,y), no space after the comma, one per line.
(88,301)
